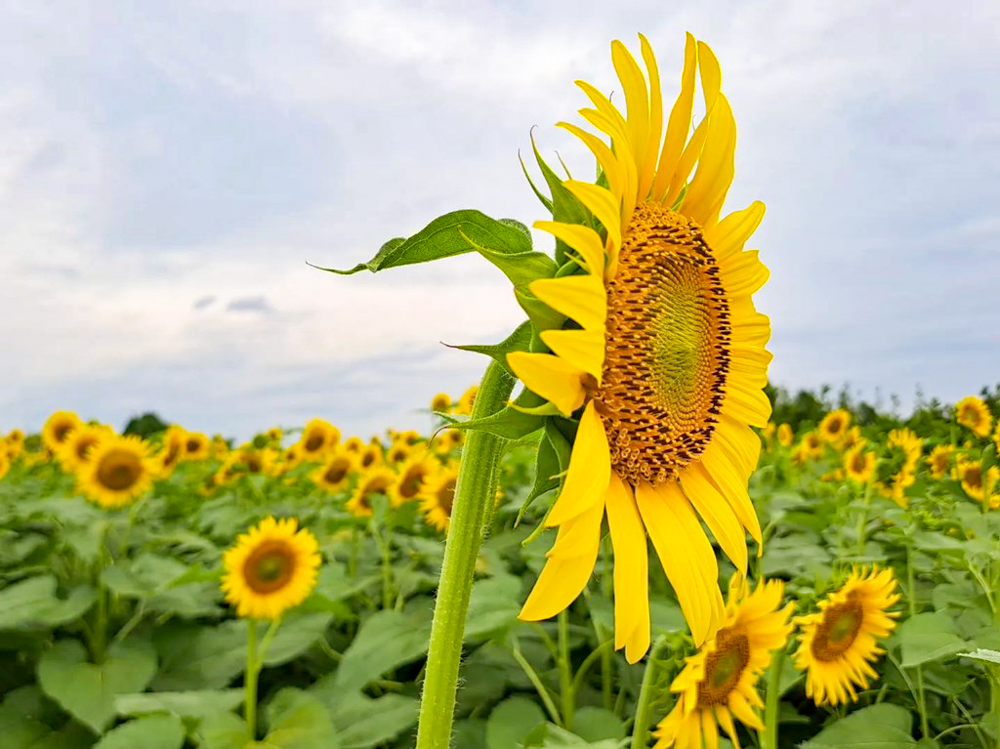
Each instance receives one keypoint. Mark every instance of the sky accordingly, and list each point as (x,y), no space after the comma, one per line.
(168,171)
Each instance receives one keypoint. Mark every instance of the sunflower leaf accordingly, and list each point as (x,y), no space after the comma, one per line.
(541,315)
(521,267)
(547,470)
(454,233)
(519,340)
(547,202)
(508,423)
(565,206)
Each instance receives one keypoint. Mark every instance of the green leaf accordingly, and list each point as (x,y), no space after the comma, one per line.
(149,732)
(542,316)
(508,423)
(296,634)
(511,721)
(32,603)
(297,720)
(387,639)
(197,704)
(452,234)
(597,724)
(195,657)
(521,268)
(881,726)
(928,637)
(519,340)
(565,206)
(223,731)
(363,722)
(544,199)
(88,691)
(983,654)
(493,605)
(547,470)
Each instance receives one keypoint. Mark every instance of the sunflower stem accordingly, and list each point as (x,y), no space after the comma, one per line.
(911,595)
(769,738)
(566,691)
(863,519)
(475,489)
(644,708)
(250,681)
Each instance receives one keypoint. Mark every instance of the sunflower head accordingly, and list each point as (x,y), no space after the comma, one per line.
(413,474)
(834,426)
(271,568)
(437,497)
(371,456)
(973,413)
(77,449)
(441,403)
(57,429)
(377,480)
(4,463)
(785,435)
(398,452)
(859,464)
(196,446)
(354,445)
(970,474)
(118,470)
(939,460)
(466,400)
(335,474)
(172,451)
(838,643)
(318,436)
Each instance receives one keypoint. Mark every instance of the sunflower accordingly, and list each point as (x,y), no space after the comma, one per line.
(172,450)
(466,400)
(441,403)
(334,475)
(118,469)
(220,447)
(833,426)
(378,480)
(897,469)
(274,434)
(252,461)
(768,435)
(448,440)
(355,445)
(196,446)
(666,358)
(939,460)
(398,452)
(838,643)
(437,497)
(719,682)
(76,451)
(414,474)
(14,442)
(973,413)
(810,447)
(785,435)
(371,456)
(4,463)
(970,474)
(852,438)
(318,436)
(271,568)
(859,464)
(57,429)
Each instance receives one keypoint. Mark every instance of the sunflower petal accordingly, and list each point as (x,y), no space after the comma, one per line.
(589,470)
(679,123)
(581,348)
(581,298)
(631,571)
(550,377)
(729,235)
(583,239)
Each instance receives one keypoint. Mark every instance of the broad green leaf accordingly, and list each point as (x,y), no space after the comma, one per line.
(148,732)
(296,634)
(32,603)
(223,731)
(597,724)
(195,704)
(519,340)
(193,657)
(493,605)
(297,720)
(363,722)
(452,234)
(928,637)
(511,721)
(983,654)
(387,639)
(881,726)
(87,690)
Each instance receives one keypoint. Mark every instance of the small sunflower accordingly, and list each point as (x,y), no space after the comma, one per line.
(973,413)
(970,474)
(317,438)
(897,469)
(335,474)
(719,682)
(274,434)
(441,403)
(466,400)
(371,456)
(859,464)
(271,568)
(172,450)
(810,447)
(448,440)
(852,438)
(398,452)
(220,447)
(378,480)
(834,425)
(437,498)
(785,435)
(76,451)
(4,463)
(355,445)
(196,446)
(413,475)
(57,429)
(14,442)
(253,461)
(939,460)
(118,470)
(838,643)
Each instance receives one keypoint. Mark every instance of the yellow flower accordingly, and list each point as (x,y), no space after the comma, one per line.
(859,464)
(719,682)
(117,471)
(196,446)
(398,452)
(833,427)
(448,440)
(317,438)
(271,568)
(785,435)
(371,456)
(378,480)
(971,412)
(898,469)
(354,445)
(939,460)
(335,474)
(441,403)
(852,438)
(838,643)
(57,429)
(14,442)
(810,447)
(437,498)
(172,450)
(666,359)
(76,450)
(970,474)
(466,400)
(4,463)
(413,476)
(274,434)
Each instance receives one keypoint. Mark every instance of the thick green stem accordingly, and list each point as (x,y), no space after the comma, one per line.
(769,739)
(911,594)
(566,691)
(475,489)
(250,681)
(644,708)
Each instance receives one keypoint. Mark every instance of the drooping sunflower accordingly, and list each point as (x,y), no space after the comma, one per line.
(859,464)
(317,438)
(834,425)
(76,451)
(412,477)
(939,460)
(441,403)
(973,413)
(665,353)
(57,429)
(196,446)
(719,682)
(378,480)
(785,435)
(272,568)
(117,471)
(438,497)
(970,474)
(838,643)
(335,474)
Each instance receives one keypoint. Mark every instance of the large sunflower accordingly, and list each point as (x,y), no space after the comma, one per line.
(719,682)
(665,354)
(118,469)
(973,413)
(271,568)
(57,429)
(838,643)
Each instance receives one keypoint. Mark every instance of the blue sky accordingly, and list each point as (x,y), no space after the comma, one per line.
(166,170)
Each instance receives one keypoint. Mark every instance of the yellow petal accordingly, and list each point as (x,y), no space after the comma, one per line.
(631,571)
(647,161)
(717,514)
(589,470)
(604,155)
(721,472)
(729,235)
(637,105)
(715,171)
(603,205)
(679,123)
(583,239)
(550,377)
(583,349)
(581,298)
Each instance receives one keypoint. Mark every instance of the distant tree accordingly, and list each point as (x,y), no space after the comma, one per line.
(145,425)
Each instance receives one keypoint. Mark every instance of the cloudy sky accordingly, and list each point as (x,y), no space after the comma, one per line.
(167,170)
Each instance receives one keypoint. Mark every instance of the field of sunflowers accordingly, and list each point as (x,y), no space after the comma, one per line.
(171,589)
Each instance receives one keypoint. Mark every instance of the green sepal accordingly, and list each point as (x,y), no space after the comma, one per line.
(521,267)
(508,423)
(546,409)
(551,464)
(542,316)
(519,340)
(565,207)
(446,236)
(544,200)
